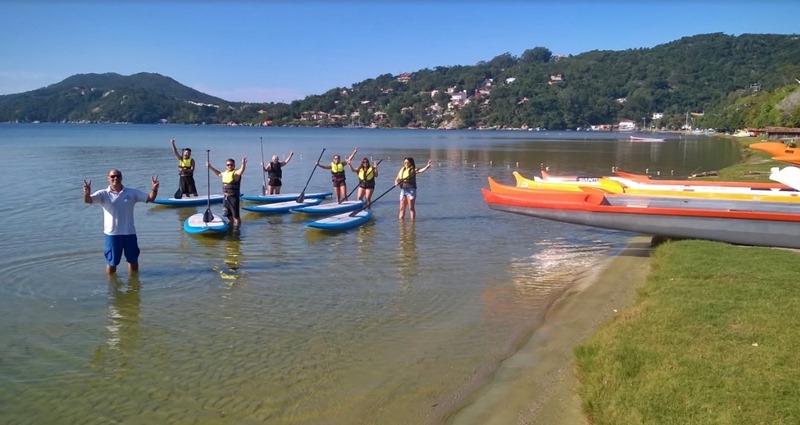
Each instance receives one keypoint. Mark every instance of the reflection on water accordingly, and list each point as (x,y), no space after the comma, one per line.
(113,358)
(232,256)
(408,269)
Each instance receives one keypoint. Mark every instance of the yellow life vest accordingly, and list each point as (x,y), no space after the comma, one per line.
(185,163)
(337,168)
(365,175)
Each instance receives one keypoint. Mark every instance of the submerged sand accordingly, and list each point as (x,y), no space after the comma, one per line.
(537,385)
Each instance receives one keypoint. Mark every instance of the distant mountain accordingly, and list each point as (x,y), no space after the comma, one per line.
(658,87)
(143,81)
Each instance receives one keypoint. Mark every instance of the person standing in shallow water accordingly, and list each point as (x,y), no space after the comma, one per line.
(407,180)
(231,188)
(118,226)
(274,171)
(338,177)
(366,180)
(185,170)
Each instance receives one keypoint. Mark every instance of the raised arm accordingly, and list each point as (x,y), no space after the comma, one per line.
(350,158)
(353,169)
(327,167)
(175,150)
(288,158)
(423,169)
(240,171)
(213,170)
(154,191)
(87,191)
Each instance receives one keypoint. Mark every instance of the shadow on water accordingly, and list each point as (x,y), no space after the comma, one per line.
(115,355)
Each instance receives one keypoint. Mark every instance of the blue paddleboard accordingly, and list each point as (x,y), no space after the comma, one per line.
(195,224)
(282,207)
(283,197)
(330,208)
(341,221)
(189,202)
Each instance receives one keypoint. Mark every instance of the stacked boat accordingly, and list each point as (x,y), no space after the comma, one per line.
(760,214)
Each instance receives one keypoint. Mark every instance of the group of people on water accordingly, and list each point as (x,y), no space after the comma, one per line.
(118,201)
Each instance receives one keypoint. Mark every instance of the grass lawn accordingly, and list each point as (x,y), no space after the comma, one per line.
(713,337)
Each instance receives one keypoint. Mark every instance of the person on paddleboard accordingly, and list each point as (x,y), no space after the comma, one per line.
(407,180)
(118,202)
(337,175)
(275,173)
(366,179)
(185,170)
(231,188)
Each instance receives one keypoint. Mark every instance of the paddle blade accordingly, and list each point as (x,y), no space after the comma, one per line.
(355,213)
(302,197)
(263,189)
(207,216)
(178,194)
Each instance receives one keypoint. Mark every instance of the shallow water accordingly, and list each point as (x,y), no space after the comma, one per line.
(394,322)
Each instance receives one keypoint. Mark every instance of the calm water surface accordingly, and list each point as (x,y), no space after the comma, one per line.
(394,322)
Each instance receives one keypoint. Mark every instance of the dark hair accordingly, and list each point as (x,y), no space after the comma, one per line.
(363,160)
(410,162)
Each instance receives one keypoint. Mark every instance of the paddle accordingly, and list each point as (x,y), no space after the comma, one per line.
(263,173)
(354,189)
(302,196)
(178,193)
(207,216)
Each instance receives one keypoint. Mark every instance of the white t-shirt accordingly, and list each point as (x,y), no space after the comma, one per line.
(118,209)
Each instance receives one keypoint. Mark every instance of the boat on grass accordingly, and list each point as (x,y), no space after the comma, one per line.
(670,218)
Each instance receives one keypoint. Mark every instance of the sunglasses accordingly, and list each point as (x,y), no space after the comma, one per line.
(115,176)
(230,165)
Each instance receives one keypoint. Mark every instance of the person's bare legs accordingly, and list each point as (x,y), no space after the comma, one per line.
(403,202)
(411,211)
(133,268)
(110,269)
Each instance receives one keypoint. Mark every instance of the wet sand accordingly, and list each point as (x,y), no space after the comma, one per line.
(537,384)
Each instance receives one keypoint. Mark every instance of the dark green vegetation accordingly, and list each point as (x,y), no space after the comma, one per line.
(727,81)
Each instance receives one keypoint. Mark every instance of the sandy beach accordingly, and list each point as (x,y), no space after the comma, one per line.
(537,384)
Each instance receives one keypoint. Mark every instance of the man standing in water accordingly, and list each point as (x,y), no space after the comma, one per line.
(185,170)
(118,202)
(231,188)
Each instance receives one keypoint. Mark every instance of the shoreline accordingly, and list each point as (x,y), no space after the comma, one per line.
(537,384)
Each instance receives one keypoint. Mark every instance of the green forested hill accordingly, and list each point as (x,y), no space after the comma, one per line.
(704,74)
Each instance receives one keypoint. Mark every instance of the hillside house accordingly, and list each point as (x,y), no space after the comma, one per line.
(404,77)
(777,133)
(658,115)
(555,78)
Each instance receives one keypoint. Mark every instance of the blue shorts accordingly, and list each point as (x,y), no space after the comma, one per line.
(410,193)
(116,245)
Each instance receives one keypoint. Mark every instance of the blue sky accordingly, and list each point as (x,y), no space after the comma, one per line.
(278,51)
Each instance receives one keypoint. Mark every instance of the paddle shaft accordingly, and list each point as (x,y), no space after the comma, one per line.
(207,216)
(263,173)
(303,193)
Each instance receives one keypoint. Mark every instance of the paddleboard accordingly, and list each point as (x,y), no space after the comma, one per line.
(195,224)
(341,221)
(282,207)
(330,208)
(283,197)
(189,202)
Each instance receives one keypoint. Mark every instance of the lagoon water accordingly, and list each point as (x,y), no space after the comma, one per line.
(394,322)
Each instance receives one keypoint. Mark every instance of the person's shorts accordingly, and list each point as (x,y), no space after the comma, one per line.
(116,245)
(369,184)
(410,193)
(274,181)
(230,206)
(339,183)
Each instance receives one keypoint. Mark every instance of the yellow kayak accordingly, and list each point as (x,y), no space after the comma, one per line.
(612,185)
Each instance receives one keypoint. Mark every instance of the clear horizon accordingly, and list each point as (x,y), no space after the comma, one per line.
(280,51)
